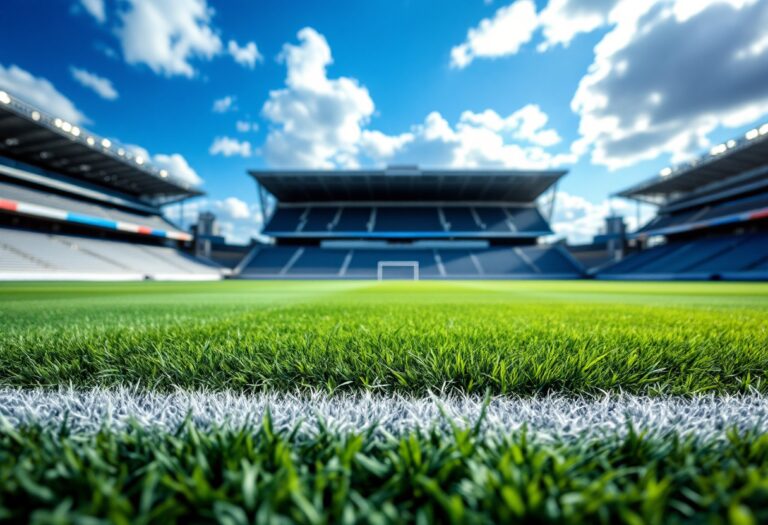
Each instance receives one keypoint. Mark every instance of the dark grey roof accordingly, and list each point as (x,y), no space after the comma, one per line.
(407,184)
(707,173)
(29,135)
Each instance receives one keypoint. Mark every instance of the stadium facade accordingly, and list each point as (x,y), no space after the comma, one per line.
(712,221)
(403,222)
(77,206)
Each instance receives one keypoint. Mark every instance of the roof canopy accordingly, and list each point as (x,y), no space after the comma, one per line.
(725,162)
(407,184)
(29,135)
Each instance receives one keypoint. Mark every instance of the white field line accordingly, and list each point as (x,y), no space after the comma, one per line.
(548,416)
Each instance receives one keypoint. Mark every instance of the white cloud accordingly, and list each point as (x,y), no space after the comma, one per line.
(238,221)
(102,86)
(224,104)
(247,55)
(234,208)
(39,92)
(477,140)
(634,106)
(174,163)
(322,124)
(178,166)
(316,120)
(527,124)
(167,35)
(244,126)
(230,147)
(96,9)
(510,28)
(579,219)
(562,20)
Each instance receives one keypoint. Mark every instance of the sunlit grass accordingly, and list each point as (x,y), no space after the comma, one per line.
(501,337)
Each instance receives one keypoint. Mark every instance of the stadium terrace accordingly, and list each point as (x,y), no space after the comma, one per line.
(403,222)
(77,206)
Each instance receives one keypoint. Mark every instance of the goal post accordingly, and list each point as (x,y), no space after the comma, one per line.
(398,264)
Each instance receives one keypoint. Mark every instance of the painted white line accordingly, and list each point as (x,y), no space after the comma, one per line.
(550,416)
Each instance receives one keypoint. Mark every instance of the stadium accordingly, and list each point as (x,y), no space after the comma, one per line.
(75,206)
(403,222)
(307,307)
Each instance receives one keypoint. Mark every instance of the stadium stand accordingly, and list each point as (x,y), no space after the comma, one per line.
(75,206)
(712,218)
(403,223)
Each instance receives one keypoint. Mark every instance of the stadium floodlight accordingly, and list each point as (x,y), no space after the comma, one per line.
(5,98)
(665,172)
(106,143)
(121,152)
(75,131)
(91,141)
(66,126)
(717,150)
(139,160)
(163,173)
(58,122)
(752,134)
(35,116)
(763,129)
(731,143)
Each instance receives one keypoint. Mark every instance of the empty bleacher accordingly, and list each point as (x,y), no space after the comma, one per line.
(725,256)
(441,224)
(35,255)
(17,192)
(433,263)
(296,221)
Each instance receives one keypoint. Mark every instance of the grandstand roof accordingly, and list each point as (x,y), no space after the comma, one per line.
(30,135)
(724,162)
(406,183)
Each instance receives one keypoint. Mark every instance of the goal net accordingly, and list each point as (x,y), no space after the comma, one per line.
(398,270)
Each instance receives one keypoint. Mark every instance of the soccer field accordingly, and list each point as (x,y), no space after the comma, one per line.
(472,337)
(358,402)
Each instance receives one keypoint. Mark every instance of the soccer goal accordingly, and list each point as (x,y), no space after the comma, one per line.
(399,265)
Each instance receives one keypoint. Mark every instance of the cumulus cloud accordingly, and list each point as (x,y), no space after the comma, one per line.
(100,85)
(234,208)
(96,9)
(224,104)
(562,20)
(579,220)
(510,28)
(323,123)
(230,147)
(316,121)
(177,166)
(247,55)
(655,88)
(484,139)
(39,92)
(174,163)
(166,35)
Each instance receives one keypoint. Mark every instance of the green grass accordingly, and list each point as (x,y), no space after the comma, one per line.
(496,337)
(499,337)
(238,477)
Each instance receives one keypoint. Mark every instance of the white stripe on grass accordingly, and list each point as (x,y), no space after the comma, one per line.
(554,416)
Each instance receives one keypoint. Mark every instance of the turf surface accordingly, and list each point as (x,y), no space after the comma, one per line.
(336,340)
(472,337)
(240,477)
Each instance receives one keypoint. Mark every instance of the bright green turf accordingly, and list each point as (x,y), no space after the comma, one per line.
(502,337)
(241,477)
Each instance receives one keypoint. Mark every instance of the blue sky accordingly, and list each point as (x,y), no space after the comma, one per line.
(613,90)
